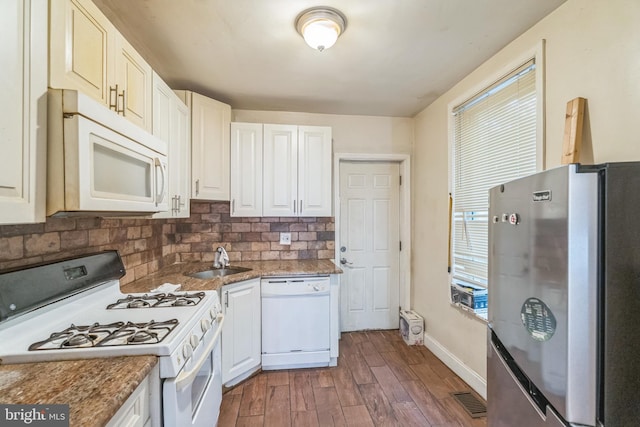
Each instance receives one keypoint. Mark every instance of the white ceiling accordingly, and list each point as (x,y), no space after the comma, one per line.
(394,59)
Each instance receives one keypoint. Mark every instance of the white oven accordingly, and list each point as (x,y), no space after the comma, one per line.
(73,309)
(99,162)
(193,397)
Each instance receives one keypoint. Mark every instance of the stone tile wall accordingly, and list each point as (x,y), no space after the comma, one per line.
(146,245)
(251,239)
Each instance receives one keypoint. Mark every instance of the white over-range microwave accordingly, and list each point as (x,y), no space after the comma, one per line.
(99,163)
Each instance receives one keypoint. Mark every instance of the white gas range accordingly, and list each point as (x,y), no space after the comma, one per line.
(73,309)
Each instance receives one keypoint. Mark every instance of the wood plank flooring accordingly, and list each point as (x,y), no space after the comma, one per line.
(379,381)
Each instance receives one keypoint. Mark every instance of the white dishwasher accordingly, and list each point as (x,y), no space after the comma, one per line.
(295,322)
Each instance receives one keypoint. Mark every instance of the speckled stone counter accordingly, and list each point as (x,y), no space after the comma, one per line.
(94,389)
(178,274)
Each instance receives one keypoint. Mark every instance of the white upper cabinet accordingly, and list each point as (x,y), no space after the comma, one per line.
(23,111)
(246,169)
(297,171)
(134,84)
(88,54)
(314,171)
(80,38)
(210,123)
(280,170)
(171,123)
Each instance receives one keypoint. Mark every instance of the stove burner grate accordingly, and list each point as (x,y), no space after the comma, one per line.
(112,334)
(158,300)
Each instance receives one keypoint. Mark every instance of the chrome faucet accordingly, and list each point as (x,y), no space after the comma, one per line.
(222,258)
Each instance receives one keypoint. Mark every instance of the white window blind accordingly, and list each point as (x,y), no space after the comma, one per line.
(494,142)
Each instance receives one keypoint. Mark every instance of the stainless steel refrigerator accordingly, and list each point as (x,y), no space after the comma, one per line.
(564,298)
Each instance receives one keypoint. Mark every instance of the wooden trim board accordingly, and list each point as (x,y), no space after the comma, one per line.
(573,131)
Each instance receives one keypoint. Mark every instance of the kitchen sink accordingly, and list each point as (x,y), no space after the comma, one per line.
(218,272)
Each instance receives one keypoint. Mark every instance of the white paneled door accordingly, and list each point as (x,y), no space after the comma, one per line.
(369,245)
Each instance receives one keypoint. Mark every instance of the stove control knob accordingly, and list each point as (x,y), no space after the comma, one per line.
(187,351)
(205,325)
(194,341)
(217,307)
(213,313)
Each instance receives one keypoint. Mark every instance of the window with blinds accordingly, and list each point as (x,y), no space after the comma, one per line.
(494,142)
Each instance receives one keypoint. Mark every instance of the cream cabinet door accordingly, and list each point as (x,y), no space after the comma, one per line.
(134,84)
(297,171)
(280,173)
(88,54)
(241,331)
(162,95)
(314,171)
(210,123)
(246,169)
(171,124)
(181,151)
(23,42)
(81,38)
(136,410)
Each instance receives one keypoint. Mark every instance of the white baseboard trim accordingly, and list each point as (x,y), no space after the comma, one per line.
(468,375)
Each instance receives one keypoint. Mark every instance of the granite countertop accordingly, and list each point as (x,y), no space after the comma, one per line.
(177,274)
(94,389)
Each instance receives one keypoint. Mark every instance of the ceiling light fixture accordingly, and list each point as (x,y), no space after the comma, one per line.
(321,26)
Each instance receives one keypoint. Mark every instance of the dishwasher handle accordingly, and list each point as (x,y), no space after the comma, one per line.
(265,293)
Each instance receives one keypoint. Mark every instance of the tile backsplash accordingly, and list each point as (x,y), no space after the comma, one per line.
(251,239)
(144,244)
(148,244)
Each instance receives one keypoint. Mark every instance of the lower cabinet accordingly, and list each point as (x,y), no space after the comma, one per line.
(241,331)
(139,409)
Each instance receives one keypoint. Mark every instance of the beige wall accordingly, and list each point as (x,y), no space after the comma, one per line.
(351,134)
(592,51)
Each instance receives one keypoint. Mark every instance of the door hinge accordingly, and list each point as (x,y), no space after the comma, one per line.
(401,245)
(400,179)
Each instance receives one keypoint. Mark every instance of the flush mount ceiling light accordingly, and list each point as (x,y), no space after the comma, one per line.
(321,26)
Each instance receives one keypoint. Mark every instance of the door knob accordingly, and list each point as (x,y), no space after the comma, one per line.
(344,261)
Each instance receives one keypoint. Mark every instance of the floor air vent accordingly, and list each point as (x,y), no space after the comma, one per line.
(474,407)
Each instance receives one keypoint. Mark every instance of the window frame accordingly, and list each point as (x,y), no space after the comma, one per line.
(536,54)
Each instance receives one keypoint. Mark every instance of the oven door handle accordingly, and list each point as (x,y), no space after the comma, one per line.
(186,377)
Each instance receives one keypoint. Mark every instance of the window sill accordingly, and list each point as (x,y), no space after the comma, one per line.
(479,315)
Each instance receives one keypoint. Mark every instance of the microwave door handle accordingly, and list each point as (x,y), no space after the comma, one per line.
(186,377)
(160,195)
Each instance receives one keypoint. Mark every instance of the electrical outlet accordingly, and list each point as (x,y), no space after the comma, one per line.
(285,238)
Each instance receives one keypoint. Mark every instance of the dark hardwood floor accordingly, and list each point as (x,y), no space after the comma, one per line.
(379,381)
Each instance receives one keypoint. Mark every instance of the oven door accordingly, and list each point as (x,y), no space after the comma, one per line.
(193,398)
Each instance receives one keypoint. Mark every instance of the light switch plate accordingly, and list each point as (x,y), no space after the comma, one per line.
(285,238)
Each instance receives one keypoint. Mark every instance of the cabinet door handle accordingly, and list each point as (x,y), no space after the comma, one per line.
(233,206)
(121,110)
(113,98)
(174,208)
(226,299)
(294,206)
(197,187)
(179,204)
(300,211)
